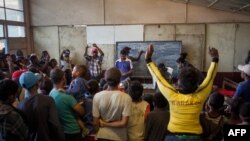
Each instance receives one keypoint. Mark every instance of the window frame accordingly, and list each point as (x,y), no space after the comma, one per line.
(23,23)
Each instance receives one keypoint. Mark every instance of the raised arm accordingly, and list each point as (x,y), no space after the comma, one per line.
(101,52)
(133,59)
(208,81)
(86,51)
(165,88)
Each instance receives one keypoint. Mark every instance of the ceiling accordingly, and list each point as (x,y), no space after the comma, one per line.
(236,6)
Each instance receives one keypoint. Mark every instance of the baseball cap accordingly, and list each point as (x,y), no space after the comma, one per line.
(16,74)
(127,48)
(29,79)
(94,50)
(245,69)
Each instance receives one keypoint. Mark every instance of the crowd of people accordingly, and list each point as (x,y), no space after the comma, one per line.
(41,100)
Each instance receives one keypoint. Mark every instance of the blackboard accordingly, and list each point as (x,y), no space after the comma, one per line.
(166,52)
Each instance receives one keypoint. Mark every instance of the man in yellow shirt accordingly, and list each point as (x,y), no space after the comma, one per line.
(187,101)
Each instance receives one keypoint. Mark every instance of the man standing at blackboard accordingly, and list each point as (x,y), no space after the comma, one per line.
(133,59)
(124,65)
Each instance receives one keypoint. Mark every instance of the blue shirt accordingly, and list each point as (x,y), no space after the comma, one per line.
(78,88)
(124,66)
(243,90)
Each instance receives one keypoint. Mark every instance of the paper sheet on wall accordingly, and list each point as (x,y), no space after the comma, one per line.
(129,33)
(100,34)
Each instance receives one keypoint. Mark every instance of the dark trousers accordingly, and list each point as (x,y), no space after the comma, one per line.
(73,137)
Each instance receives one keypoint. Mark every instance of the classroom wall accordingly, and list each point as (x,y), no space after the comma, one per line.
(197,27)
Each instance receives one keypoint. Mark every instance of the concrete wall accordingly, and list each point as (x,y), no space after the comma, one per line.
(99,12)
(197,28)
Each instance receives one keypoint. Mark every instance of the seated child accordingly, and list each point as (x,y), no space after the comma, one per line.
(212,120)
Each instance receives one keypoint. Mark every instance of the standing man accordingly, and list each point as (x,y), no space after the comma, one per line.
(95,62)
(112,108)
(67,106)
(124,65)
(40,111)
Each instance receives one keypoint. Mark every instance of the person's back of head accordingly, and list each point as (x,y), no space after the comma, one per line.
(46,86)
(112,77)
(216,101)
(160,101)
(56,75)
(8,89)
(93,86)
(19,53)
(33,59)
(188,80)
(245,112)
(135,91)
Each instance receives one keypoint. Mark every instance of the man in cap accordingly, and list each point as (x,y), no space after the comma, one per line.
(124,64)
(95,62)
(40,111)
(112,107)
(133,59)
(243,88)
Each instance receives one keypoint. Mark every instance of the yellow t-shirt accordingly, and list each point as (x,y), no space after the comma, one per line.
(184,108)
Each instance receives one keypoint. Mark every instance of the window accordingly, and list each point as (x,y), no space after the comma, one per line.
(16,31)
(14,4)
(12,15)
(12,18)
(1,31)
(12,21)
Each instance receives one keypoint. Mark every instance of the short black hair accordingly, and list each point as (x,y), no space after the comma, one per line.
(182,58)
(160,101)
(46,85)
(123,52)
(188,80)
(34,70)
(135,90)
(93,86)
(56,75)
(7,88)
(216,100)
(33,58)
(113,76)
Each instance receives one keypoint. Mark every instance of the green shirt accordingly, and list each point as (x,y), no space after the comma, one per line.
(64,105)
